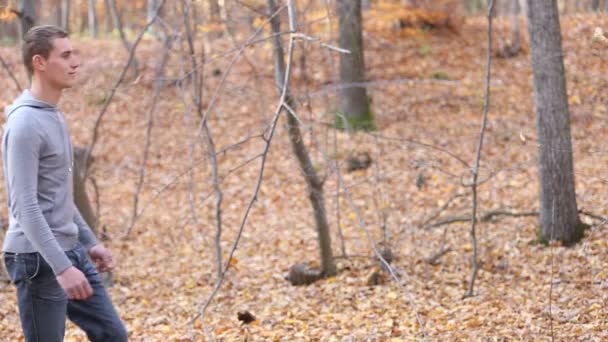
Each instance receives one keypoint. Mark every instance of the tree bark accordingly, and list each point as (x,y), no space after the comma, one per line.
(559,218)
(27,16)
(65,15)
(108,21)
(81,199)
(314,184)
(515,32)
(214,11)
(92,18)
(354,112)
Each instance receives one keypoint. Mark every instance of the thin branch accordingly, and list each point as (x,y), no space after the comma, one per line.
(423,144)
(377,252)
(592,215)
(197,93)
(118,24)
(195,164)
(434,259)
(442,209)
(474,261)
(485,218)
(10,73)
(158,86)
(272,129)
(333,88)
(120,79)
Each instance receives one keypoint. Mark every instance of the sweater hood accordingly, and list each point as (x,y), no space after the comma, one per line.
(26,99)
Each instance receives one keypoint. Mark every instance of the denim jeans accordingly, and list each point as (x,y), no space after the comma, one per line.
(43,305)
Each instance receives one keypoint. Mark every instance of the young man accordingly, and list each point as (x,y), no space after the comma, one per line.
(47,244)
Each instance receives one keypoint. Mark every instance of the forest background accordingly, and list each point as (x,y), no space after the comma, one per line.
(211,180)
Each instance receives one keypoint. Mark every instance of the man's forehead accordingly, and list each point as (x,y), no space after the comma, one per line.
(61,45)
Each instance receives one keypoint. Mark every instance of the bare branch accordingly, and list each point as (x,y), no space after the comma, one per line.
(442,209)
(274,122)
(118,24)
(474,262)
(485,218)
(158,85)
(197,93)
(120,79)
(10,73)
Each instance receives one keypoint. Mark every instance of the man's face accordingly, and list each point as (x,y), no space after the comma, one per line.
(59,69)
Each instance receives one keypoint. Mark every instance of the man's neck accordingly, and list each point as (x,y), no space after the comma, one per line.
(45,92)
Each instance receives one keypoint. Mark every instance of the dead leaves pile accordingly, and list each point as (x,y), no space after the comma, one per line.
(167,265)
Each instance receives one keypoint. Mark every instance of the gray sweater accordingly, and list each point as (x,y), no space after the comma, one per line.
(37,155)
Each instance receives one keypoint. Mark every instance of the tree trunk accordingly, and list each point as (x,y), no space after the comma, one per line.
(151,11)
(558,212)
(65,15)
(92,18)
(214,11)
(108,21)
(58,12)
(595,5)
(515,32)
(27,16)
(354,112)
(81,199)
(314,184)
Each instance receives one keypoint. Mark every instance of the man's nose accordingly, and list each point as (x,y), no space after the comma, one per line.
(75,63)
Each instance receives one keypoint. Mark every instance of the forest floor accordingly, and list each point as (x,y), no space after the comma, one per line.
(427,89)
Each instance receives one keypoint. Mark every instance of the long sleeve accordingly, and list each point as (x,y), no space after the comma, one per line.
(22,153)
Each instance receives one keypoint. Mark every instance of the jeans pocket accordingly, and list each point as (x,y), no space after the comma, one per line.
(15,268)
(32,266)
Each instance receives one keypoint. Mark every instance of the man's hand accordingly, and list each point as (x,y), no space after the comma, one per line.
(102,257)
(75,284)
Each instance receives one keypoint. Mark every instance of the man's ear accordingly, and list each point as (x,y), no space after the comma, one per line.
(38,63)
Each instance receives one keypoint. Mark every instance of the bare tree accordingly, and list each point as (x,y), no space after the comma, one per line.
(514,46)
(313,182)
(92,18)
(118,24)
(108,21)
(214,10)
(65,14)
(354,112)
(26,12)
(553,124)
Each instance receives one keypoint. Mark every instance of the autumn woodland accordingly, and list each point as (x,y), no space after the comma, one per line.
(337,170)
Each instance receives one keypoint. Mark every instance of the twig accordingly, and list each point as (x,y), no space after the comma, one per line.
(433,260)
(158,85)
(10,73)
(333,88)
(268,139)
(423,144)
(123,38)
(185,172)
(383,261)
(486,217)
(592,215)
(216,93)
(474,262)
(442,209)
(120,79)
(197,89)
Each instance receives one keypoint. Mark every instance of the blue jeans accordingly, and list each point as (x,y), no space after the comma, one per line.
(43,305)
